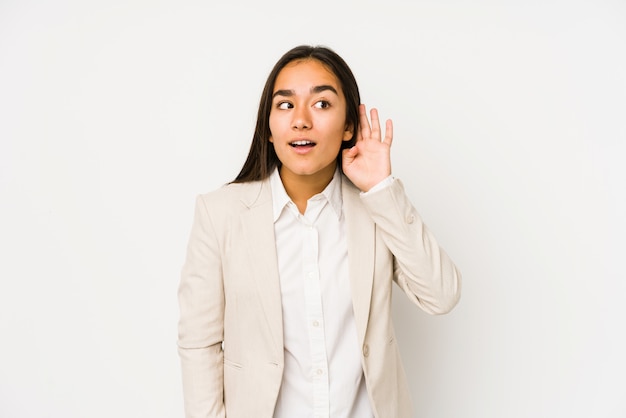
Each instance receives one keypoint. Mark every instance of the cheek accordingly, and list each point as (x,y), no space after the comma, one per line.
(273,125)
(339,128)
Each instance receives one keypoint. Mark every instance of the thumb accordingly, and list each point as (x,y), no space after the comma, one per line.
(349,154)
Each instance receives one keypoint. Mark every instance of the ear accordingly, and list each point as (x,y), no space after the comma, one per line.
(348,132)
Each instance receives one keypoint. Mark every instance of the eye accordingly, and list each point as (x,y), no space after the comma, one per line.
(322,104)
(284,105)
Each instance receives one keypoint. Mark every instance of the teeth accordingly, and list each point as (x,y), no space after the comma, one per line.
(303,142)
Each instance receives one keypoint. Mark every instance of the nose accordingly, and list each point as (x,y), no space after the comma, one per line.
(301,118)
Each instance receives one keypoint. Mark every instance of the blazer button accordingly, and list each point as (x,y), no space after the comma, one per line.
(366,350)
(410,219)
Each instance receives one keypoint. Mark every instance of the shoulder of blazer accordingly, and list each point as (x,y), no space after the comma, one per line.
(351,196)
(348,187)
(236,197)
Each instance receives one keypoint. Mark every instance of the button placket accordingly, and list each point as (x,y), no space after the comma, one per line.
(314,312)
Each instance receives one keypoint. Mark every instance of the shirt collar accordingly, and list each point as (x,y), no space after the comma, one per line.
(280,198)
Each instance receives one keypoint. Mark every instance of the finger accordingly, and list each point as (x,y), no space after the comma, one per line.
(358,133)
(364,129)
(375,124)
(388,132)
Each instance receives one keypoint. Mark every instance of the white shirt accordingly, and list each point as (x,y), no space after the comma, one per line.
(323,375)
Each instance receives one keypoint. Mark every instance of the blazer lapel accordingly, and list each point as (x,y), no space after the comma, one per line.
(258,228)
(361,253)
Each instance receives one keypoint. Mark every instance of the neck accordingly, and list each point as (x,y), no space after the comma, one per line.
(300,188)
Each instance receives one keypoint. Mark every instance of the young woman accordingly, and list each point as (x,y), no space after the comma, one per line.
(285,295)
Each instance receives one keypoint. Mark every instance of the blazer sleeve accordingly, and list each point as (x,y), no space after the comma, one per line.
(201,324)
(421,268)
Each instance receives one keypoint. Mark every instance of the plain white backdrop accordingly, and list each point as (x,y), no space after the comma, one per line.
(510,133)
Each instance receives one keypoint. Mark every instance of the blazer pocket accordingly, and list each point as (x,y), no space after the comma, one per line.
(232,364)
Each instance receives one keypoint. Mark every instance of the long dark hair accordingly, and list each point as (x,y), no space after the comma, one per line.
(262,159)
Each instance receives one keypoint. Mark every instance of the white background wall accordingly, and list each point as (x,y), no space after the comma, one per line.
(510,131)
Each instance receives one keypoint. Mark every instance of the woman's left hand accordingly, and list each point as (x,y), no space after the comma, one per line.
(368,162)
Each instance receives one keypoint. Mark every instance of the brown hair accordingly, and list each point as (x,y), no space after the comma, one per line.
(262,158)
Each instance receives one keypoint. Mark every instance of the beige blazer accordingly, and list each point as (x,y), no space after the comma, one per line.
(231,330)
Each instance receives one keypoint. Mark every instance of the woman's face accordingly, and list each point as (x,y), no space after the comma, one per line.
(308,120)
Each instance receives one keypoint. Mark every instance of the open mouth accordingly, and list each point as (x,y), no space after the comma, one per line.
(302,143)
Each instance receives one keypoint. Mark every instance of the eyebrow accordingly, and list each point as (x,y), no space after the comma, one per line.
(315,89)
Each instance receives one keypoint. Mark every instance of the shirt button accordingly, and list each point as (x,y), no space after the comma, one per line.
(319,371)
(316,324)
(366,350)
(310,275)
(410,219)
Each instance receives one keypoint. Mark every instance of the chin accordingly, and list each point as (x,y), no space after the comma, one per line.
(303,171)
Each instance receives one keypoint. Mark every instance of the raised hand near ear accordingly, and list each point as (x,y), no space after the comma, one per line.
(368,162)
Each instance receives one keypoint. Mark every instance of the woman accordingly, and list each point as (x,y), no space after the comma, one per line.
(285,295)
